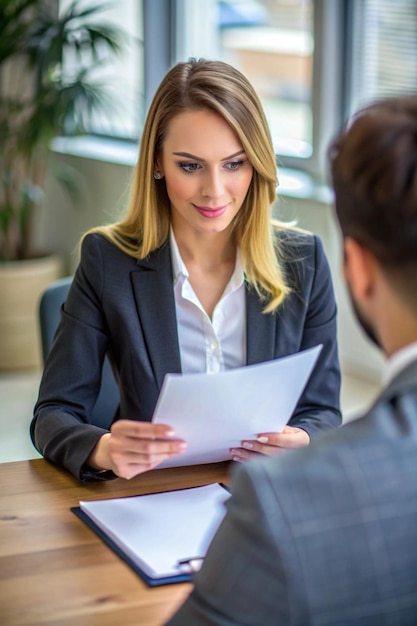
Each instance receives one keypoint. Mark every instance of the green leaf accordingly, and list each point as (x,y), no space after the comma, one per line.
(37,39)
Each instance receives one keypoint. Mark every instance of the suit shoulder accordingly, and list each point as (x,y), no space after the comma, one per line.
(388,425)
(97,245)
(303,260)
(94,240)
(294,242)
(297,465)
(299,249)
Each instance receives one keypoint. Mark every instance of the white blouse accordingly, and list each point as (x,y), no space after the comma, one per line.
(209,345)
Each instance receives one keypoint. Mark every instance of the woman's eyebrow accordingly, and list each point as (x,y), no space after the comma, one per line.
(187,155)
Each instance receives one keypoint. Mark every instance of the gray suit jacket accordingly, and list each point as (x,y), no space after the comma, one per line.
(126,308)
(323,536)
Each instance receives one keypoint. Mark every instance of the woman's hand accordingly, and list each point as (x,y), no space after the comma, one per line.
(131,448)
(271,444)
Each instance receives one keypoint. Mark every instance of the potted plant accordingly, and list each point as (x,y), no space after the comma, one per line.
(47,88)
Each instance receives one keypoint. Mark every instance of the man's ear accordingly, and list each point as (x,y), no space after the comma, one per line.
(358,268)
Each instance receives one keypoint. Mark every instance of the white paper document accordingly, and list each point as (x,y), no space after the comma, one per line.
(214,412)
(159,530)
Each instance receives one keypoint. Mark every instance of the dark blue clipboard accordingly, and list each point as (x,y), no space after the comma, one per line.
(184,577)
(152,582)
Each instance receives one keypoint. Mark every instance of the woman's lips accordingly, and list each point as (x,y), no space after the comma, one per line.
(211,212)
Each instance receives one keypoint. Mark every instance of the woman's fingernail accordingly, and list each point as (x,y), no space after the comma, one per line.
(247,444)
(262,439)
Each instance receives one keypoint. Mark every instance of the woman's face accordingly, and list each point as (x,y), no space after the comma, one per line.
(206,171)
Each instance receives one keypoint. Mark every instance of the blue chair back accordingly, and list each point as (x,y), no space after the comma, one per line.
(49,315)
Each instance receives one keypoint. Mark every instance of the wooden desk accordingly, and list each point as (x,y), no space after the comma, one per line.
(54,570)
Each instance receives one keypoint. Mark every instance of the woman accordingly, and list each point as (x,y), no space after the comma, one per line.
(195,278)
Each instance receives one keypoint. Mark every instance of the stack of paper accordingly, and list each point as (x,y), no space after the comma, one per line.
(214,412)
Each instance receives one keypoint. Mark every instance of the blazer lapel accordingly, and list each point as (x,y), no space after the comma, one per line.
(155,302)
(154,295)
(260,330)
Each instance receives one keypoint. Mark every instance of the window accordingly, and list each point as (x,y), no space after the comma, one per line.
(384,50)
(313,62)
(272,43)
(282,47)
(123,75)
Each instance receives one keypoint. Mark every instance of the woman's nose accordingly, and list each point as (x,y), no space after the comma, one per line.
(213,186)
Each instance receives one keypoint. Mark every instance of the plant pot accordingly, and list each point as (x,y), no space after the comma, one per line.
(21,286)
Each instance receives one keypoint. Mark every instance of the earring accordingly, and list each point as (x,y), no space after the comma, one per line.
(157,175)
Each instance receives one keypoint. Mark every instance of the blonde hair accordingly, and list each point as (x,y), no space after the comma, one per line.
(219,87)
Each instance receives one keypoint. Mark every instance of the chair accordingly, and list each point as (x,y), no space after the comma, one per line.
(49,315)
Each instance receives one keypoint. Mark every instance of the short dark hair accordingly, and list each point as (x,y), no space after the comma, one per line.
(373,166)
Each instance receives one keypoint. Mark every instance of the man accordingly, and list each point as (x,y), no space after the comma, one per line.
(328,535)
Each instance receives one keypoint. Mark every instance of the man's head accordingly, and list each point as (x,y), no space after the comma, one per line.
(374,174)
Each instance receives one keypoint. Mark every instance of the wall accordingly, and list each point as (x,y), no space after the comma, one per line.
(103,188)
(358,355)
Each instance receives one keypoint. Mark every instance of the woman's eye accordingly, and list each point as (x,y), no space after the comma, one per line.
(190,167)
(234,165)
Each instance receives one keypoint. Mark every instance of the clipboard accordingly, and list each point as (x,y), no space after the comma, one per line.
(152,582)
(129,526)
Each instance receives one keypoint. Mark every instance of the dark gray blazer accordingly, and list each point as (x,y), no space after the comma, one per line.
(126,308)
(325,536)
